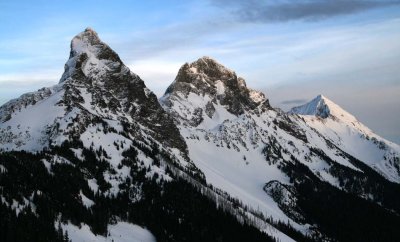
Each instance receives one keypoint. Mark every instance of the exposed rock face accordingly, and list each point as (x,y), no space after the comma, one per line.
(95,85)
(207,77)
(286,198)
(115,91)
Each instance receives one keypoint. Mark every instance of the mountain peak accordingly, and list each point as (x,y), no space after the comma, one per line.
(90,43)
(89,55)
(95,85)
(217,84)
(90,30)
(205,70)
(210,67)
(323,107)
(84,40)
(203,86)
(318,107)
(204,76)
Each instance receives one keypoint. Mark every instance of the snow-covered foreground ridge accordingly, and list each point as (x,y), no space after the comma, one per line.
(217,131)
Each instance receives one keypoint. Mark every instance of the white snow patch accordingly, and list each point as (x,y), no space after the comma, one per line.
(119,232)
(3,169)
(78,153)
(220,87)
(85,200)
(92,183)
(47,164)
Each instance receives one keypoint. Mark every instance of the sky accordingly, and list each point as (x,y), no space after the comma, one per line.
(292,50)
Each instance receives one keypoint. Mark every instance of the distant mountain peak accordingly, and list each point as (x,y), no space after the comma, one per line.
(320,106)
(323,107)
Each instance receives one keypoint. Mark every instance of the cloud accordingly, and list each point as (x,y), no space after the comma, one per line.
(208,29)
(311,10)
(182,37)
(333,56)
(294,101)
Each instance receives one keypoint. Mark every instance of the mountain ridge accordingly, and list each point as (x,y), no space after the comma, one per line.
(345,131)
(94,74)
(210,136)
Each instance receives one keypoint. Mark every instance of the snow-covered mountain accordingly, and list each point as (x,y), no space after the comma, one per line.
(98,102)
(98,156)
(245,147)
(346,132)
(95,84)
(99,120)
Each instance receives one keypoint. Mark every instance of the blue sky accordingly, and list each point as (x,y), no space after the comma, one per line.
(292,50)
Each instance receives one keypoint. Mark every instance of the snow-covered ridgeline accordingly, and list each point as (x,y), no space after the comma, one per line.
(350,135)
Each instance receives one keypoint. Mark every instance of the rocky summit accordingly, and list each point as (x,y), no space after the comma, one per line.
(207,77)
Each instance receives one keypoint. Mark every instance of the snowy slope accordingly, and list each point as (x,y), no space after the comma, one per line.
(28,122)
(119,232)
(241,143)
(350,135)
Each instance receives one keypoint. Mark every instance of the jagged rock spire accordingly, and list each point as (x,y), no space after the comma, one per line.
(89,55)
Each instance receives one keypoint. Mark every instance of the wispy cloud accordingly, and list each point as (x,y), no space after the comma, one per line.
(178,37)
(294,101)
(341,55)
(311,10)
